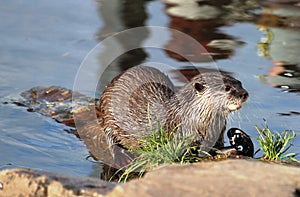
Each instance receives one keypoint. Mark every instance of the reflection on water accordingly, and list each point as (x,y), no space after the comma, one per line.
(38,57)
(284,76)
(282,27)
(119,16)
(202,21)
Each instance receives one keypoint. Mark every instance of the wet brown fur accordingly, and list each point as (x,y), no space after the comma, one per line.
(137,99)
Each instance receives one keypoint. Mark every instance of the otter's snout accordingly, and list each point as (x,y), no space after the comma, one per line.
(238,98)
(244,95)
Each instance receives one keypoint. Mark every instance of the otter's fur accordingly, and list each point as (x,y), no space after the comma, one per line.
(144,93)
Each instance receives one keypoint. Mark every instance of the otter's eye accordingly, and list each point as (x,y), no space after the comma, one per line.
(199,87)
(227,88)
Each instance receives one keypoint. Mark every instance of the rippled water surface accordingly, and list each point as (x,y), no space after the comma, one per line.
(43,43)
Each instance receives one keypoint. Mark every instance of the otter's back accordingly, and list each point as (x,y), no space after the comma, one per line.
(132,99)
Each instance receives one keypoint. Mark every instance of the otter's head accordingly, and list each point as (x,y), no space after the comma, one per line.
(219,90)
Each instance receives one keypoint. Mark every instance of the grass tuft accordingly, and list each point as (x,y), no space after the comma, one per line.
(163,147)
(275,145)
(160,147)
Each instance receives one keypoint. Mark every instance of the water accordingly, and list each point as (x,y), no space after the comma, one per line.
(44,43)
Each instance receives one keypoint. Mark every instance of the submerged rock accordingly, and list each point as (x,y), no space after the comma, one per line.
(55,102)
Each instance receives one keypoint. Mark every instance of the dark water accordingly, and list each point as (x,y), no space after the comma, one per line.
(45,43)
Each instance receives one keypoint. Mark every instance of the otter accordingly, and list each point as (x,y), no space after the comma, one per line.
(142,97)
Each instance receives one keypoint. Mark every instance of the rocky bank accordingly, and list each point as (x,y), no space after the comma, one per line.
(219,178)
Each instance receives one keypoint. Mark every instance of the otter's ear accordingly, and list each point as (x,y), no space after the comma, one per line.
(199,87)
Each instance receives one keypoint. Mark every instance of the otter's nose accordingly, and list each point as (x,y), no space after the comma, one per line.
(244,96)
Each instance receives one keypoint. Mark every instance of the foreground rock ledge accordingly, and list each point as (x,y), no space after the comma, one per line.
(222,178)
(26,182)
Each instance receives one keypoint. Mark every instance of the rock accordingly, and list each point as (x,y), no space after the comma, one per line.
(218,178)
(56,102)
(223,178)
(25,182)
